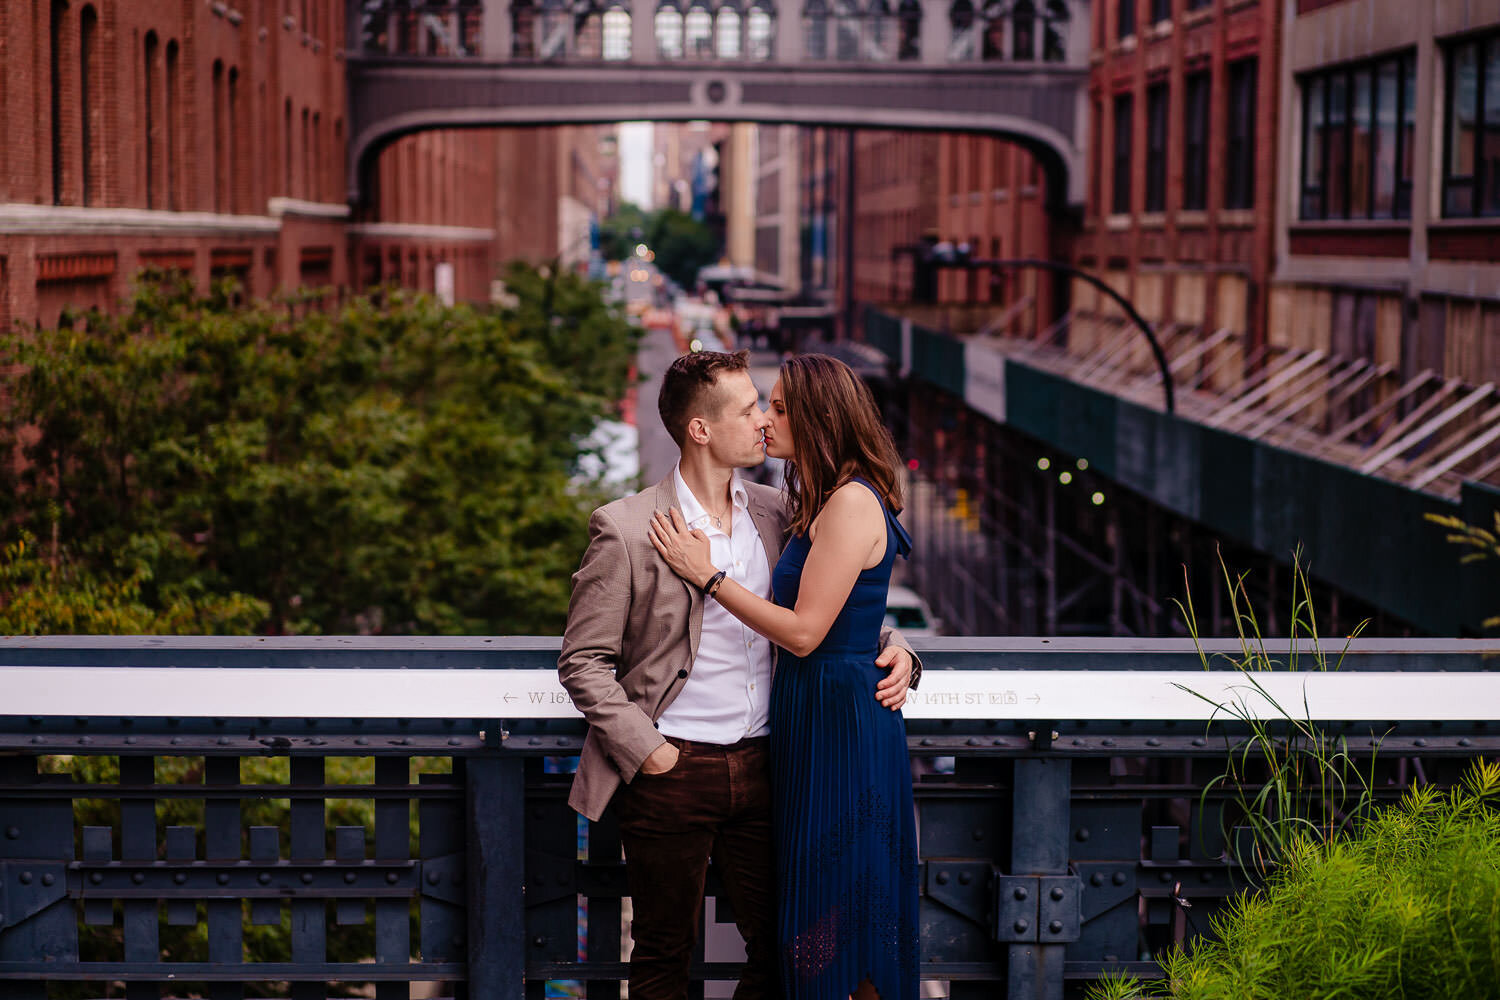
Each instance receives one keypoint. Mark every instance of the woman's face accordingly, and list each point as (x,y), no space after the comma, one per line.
(779,433)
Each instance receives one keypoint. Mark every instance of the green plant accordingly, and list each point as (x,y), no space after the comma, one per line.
(1407,906)
(1484,543)
(1287,777)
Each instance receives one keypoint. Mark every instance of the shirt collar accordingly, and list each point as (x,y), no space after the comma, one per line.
(692,510)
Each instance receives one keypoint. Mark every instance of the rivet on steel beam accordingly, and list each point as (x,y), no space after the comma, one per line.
(1419,742)
(974,741)
(1056,893)
(562,741)
(12,832)
(1152,741)
(96,877)
(84,741)
(539,941)
(998,742)
(361,741)
(223,741)
(1205,876)
(1096,879)
(455,742)
(926,742)
(223,878)
(349,877)
(391,878)
(433,878)
(1020,894)
(1107,742)
(48,878)
(1020,926)
(26,878)
(264,878)
(307,878)
(1464,741)
(139,878)
(176,741)
(1199,741)
(535,741)
(179,877)
(1055,927)
(1164,876)
(1081,834)
(942,878)
(1077,742)
(1118,878)
(964,878)
(38,739)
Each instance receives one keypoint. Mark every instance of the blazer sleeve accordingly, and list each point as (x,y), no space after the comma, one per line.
(889,637)
(591,649)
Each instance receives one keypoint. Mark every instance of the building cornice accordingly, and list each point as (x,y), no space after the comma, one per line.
(414,231)
(278,207)
(49,220)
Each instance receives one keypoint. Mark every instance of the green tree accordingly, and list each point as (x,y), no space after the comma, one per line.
(682,245)
(392,466)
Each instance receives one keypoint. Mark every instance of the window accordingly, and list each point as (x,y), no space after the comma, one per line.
(668,32)
(1357,126)
(88,41)
(616,34)
(54,52)
(1471,144)
(909,16)
(1196,88)
(758,30)
(217,136)
(727,31)
(1156,147)
(1161,10)
(1124,112)
(1239,186)
(698,31)
(1023,31)
(1126,26)
(172,128)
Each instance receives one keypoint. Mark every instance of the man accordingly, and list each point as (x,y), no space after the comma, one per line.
(676,691)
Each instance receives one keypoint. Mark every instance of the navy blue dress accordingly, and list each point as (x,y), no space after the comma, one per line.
(845,832)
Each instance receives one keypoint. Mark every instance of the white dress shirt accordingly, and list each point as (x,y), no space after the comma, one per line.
(727,695)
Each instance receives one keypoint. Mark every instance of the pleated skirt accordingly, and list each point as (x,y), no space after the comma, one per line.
(846,854)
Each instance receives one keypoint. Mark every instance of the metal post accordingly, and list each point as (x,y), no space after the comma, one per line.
(496,815)
(1039,846)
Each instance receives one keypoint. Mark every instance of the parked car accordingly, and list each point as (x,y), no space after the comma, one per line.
(905,610)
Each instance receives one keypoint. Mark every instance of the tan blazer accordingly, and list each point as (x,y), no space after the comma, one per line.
(632,635)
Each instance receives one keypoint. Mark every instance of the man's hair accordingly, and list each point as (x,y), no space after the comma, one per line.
(690,388)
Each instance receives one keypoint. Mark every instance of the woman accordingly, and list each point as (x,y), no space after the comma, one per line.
(845,834)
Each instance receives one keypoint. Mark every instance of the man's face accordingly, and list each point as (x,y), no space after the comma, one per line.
(735,432)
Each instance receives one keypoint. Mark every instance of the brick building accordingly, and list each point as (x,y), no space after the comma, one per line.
(1179,216)
(210,138)
(1388,234)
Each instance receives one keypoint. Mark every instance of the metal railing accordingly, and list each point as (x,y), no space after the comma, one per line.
(1059,789)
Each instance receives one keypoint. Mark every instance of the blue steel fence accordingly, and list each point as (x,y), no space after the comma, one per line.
(1059,786)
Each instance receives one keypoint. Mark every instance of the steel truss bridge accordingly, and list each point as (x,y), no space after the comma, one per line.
(1063,824)
(1016,68)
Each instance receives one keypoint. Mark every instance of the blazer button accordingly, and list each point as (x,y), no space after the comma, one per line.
(682,673)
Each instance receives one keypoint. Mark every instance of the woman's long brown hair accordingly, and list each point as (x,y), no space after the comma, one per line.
(837,434)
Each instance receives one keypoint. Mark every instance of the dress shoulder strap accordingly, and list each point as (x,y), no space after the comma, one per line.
(893,526)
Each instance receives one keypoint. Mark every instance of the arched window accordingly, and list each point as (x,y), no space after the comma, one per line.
(760,21)
(588,30)
(88,44)
(880,32)
(1054,31)
(617,33)
(728,25)
(846,30)
(305,190)
(523,29)
(1023,31)
(153,126)
(286,149)
(56,26)
(909,14)
(668,31)
(964,46)
(815,29)
(172,127)
(556,30)
(698,32)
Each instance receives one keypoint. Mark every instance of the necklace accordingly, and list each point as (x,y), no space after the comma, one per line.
(718,519)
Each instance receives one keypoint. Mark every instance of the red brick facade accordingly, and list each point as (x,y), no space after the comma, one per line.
(211,138)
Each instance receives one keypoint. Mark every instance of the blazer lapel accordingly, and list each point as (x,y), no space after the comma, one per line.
(666,499)
(766,526)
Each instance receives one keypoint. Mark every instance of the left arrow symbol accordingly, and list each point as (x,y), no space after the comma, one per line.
(509,697)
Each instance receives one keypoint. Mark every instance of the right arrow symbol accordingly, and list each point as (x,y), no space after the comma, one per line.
(1034,697)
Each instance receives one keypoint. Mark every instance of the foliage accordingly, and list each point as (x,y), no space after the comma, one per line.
(391,466)
(1288,778)
(682,244)
(1484,543)
(1407,907)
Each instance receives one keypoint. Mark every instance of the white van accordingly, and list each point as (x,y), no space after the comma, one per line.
(905,610)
